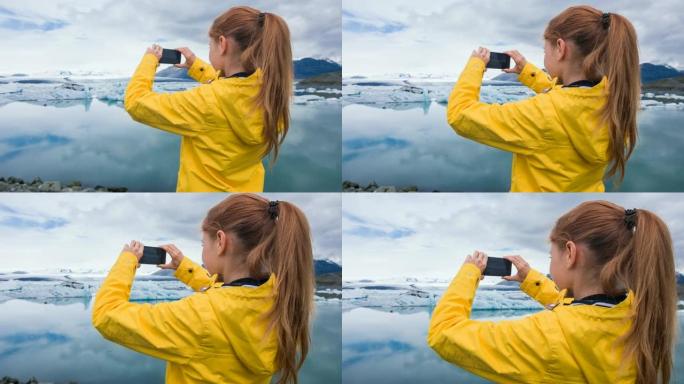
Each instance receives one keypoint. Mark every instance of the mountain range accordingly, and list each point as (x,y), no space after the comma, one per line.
(649,73)
(303,69)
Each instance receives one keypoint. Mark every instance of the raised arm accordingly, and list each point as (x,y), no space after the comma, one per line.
(171,331)
(513,351)
(518,127)
(183,113)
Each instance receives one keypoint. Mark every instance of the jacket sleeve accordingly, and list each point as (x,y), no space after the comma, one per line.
(202,71)
(194,276)
(518,127)
(171,331)
(182,113)
(536,79)
(512,351)
(541,288)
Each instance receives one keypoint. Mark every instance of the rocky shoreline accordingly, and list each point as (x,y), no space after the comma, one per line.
(350,186)
(16,184)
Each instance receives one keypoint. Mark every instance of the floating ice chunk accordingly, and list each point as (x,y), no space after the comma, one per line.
(413,295)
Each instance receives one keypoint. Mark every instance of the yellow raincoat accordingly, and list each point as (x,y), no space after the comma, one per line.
(557,138)
(221,131)
(567,344)
(217,335)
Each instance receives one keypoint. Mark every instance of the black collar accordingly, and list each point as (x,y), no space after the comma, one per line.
(601,299)
(246,281)
(240,74)
(582,83)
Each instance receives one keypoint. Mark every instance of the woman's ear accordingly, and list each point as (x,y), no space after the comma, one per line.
(222,243)
(570,254)
(223,45)
(561,49)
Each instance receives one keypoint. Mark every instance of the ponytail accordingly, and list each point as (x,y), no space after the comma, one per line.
(276,239)
(607,42)
(633,250)
(293,306)
(264,38)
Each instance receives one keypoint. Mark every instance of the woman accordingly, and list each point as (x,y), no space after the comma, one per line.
(249,317)
(238,116)
(613,321)
(564,138)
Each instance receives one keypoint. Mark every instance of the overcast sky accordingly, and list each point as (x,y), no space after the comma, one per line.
(429,235)
(111,35)
(87,231)
(438,36)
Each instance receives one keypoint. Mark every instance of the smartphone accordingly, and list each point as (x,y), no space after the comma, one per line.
(499,60)
(497,266)
(153,255)
(170,56)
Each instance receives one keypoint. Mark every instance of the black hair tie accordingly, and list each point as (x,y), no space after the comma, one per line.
(630,218)
(273,209)
(605,20)
(261,18)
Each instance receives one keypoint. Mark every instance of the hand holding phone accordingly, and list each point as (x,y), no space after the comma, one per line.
(153,255)
(170,56)
(497,266)
(498,60)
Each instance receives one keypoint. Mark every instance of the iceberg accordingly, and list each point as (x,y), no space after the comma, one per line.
(426,293)
(397,92)
(55,91)
(49,287)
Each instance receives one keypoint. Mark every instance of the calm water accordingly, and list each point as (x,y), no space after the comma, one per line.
(413,145)
(56,342)
(99,144)
(390,347)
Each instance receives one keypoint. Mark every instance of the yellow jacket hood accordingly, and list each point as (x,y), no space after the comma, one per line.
(578,111)
(216,335)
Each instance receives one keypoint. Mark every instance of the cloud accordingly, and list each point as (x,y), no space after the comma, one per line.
(439,230)
(87,231)
(111,36)
(437,37)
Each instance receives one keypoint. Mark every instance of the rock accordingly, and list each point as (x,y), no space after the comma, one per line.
(74,183)
(50,186)
(371,187)
(349,185)
(386,188)
(4,187)
(117,189)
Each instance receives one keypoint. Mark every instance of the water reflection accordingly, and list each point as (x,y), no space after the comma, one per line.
(410,144)
(55,342)
(97,143)
(390,347)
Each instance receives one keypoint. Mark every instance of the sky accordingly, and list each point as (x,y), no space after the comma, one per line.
(111,36)
(87,231)
(429,235)
(400,36)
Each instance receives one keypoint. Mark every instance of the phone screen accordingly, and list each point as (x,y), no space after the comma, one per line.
(497,266)
(153,255)
(499,60)
(170,56)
